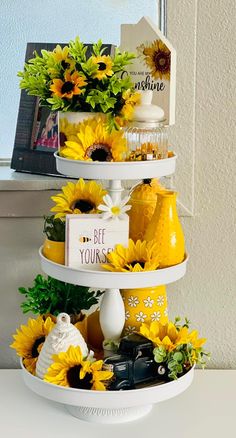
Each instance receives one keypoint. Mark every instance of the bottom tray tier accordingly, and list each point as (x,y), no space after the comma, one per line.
(108,406)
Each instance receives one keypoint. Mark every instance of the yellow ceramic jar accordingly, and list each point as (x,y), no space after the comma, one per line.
(82,327)
(144,305)
(54,251)
(166,230)
(95,335)
(143,200)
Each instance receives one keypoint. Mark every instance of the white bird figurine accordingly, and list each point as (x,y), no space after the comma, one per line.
(59,340)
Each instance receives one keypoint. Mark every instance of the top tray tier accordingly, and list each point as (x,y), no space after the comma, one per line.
(116,170)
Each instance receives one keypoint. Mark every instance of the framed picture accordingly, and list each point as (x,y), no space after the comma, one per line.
(36,137)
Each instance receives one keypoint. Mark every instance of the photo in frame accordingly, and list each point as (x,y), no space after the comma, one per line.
(90,237)
(36,137)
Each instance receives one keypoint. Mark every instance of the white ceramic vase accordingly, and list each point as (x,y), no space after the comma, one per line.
(59,340)
(112,314)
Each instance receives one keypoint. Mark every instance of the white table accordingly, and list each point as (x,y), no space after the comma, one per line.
(206,410)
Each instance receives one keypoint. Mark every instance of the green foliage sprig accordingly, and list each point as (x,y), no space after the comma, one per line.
(183,357)
(98,93)
(54,296)
(54,228)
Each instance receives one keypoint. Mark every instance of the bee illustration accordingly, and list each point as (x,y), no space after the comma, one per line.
(84,239)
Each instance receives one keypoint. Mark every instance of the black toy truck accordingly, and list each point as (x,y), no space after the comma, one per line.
(134,364)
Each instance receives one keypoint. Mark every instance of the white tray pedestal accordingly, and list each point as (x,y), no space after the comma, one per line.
(115,190)
(112,314)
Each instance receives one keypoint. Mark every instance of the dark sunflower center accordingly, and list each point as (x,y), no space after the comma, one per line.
(84,206)
(147,181)
(67,87)
(65,64)
(63,138)
(99,152)
(74,380)
(134,262)
(162,61)
(34,352)
(102,66)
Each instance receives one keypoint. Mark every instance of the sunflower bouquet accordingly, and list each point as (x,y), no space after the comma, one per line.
(68,79)
(175,346)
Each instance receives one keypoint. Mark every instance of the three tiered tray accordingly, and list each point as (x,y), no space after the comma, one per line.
(111,406)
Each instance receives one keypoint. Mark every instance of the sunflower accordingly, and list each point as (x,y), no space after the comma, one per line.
(68,131)
(158,58)
(71,86)
(130,101)
(29,340)
(96,143)
(77,198)
(71,370)
(104,66)
(169,336)
(61,55)
(139,256)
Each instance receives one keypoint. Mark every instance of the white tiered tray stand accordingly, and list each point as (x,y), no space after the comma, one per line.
(111,406)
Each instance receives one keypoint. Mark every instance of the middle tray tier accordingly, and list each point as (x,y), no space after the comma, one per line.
(104,279)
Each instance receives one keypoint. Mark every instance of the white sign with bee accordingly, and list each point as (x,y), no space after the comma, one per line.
(90,237)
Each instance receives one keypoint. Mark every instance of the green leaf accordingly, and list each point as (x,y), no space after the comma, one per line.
(178,357)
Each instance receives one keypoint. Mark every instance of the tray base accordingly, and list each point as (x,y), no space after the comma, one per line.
(109,416)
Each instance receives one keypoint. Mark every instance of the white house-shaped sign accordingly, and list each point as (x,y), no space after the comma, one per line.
(155,65)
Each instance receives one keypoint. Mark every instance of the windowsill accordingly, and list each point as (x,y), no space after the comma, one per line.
(10,180)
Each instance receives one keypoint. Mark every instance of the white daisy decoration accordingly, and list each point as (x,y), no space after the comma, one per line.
(166,312)
(148,302)
(127,315)
(155,316)
(114,210)
(140,317)
(133,301)
(129,330)
(160,300)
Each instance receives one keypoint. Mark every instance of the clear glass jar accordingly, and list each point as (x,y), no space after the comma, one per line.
(146,141)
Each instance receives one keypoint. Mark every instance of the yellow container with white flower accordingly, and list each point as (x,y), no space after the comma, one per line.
(144,305)
(141,304)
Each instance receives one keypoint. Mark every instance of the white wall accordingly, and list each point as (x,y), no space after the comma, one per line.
(203,31)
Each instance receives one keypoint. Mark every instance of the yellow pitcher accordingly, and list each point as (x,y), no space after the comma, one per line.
(165,229)
(143,203)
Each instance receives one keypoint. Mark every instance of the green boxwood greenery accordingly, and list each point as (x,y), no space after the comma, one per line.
(48,295)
